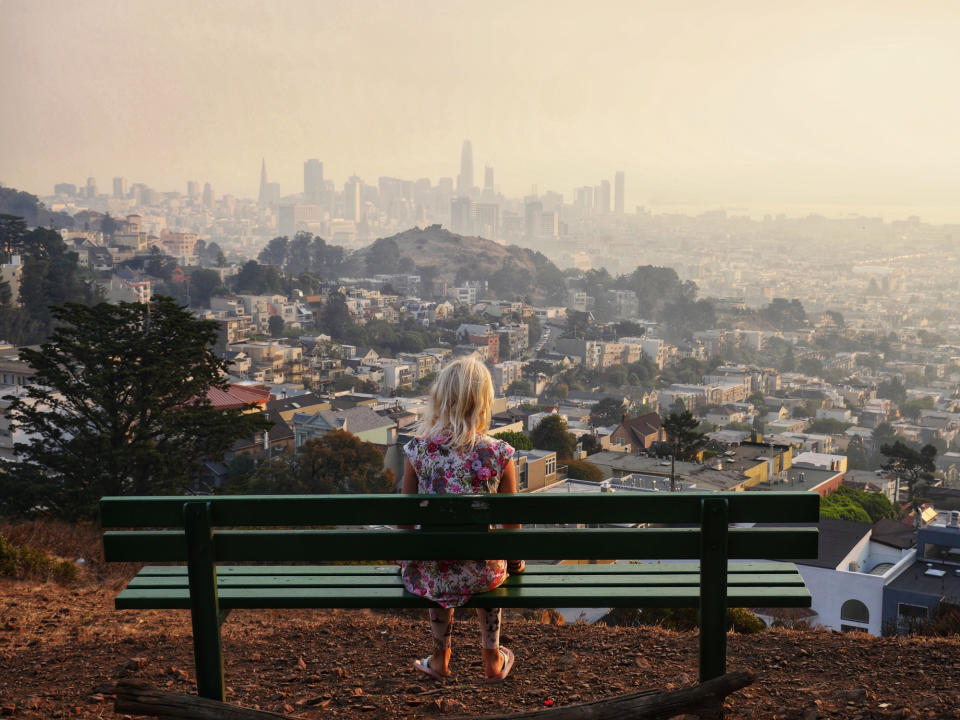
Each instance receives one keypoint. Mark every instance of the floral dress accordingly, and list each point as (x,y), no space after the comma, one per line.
(443,470)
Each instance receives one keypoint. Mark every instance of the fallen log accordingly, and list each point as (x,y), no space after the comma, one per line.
(136,698)
(704,700)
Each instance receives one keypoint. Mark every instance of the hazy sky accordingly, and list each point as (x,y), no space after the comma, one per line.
(747,103)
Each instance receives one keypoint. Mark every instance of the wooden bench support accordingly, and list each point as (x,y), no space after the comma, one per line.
(204,605)
(705,700)
(713,588)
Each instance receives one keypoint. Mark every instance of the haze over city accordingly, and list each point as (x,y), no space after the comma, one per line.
(814,107)
(684,277)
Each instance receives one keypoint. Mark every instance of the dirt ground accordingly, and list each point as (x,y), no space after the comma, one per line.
(62,648)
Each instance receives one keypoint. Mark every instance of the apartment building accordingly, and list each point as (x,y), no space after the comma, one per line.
(504,374)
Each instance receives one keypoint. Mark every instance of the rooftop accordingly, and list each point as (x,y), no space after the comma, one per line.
(916,579)
(801,479)
(238,396)
(894,534)
(837,539)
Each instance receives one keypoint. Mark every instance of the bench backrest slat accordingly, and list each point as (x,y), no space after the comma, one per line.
(542,509)
(528,543)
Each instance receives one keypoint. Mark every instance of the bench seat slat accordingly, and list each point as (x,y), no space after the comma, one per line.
(374,581)
(301,510)
(551,596)
(312,545)
(532,569)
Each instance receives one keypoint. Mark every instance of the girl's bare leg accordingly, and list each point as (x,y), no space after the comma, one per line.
(441,627)
(490,640)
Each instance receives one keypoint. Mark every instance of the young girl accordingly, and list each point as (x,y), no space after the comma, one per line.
(451,454)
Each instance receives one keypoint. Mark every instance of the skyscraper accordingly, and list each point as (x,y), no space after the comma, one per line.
(605,197)
(618,193)
(465,179)
(463,215)
(488,178)
(119,187)
(207,195)
(584,200)
(313,181)
(193,189)
(533,218)
(262,200)
(351,198)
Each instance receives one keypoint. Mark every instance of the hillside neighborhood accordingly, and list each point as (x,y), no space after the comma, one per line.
(778,399)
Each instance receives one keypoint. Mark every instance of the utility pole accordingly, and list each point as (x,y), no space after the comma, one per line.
(673,474)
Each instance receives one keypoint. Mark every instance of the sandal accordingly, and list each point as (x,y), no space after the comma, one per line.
(508,658)
(424,667)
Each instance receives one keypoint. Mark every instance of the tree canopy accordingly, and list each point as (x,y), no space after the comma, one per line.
(913,467)
(551,434)
(337,462)
(607,411)
(51,276)
(34,213)
(517,440)
(304,254)
(849,504)
(683,434)
(118,407)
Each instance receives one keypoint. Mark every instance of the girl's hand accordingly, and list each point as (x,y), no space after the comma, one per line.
(515,567)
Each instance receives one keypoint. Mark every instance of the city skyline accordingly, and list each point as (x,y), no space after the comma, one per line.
(743,106)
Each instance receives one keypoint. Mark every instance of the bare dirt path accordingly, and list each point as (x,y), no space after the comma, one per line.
(62,648)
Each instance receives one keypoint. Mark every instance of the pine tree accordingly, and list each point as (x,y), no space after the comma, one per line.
(119,407)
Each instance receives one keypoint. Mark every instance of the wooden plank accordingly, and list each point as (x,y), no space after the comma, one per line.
(313,545)
(314,510)
(532,569)
(173,570)
(373,581)
(773,543)
(254,598)
(148,546)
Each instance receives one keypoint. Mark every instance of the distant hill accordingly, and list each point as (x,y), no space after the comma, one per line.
(34,213)
(512,272)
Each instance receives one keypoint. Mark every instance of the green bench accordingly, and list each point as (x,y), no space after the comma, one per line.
(208,532)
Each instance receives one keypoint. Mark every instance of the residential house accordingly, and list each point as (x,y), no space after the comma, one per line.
(251,397)
(361,421)
(126,286)
(918,593)
(397,374)
(537,469)
(287,407)
(847,580)
(504,374)
(14,372)
(276,439)
(635,435)
(273,361)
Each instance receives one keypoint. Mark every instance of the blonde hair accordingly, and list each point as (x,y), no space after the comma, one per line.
(460,403)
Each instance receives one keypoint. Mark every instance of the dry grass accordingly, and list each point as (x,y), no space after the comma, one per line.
(70,541)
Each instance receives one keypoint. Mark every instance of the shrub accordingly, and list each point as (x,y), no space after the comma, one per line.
(517,440)
(583,470)
(739,620)
(744,622)
(65,572)
(23,561)
(8,558)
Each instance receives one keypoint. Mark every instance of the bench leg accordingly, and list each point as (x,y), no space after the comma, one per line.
(713,588)
(204,604)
